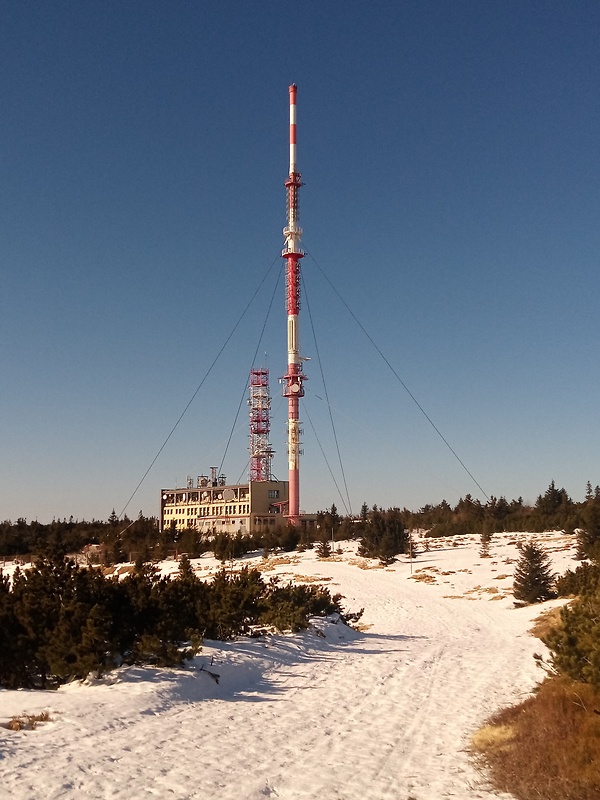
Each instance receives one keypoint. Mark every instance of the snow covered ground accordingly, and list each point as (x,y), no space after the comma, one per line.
(332,714)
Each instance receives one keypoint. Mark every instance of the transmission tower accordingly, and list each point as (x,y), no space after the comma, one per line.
(261,453)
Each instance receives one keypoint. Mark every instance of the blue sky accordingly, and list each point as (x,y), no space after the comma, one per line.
(450,156)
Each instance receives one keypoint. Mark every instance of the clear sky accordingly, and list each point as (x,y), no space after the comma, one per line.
(450,156)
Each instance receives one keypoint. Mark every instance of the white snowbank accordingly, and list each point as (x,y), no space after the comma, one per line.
(331,714)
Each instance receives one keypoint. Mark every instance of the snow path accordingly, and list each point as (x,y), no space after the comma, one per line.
(383,714)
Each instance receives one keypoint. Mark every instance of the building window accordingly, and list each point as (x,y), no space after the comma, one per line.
(273,494)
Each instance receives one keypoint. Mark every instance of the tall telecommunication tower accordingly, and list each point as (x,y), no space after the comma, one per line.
(261,453)
(292,381)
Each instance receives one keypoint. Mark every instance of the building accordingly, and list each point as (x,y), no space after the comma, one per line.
(212,505)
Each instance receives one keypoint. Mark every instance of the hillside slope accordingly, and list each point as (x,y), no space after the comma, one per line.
(331,714)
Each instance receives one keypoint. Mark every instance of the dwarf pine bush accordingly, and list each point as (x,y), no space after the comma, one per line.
(60,622)
(575,644)
(584,580)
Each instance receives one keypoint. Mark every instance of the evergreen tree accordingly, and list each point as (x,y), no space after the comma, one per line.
(364,514)
(329,521)
(410,548)
(11,664)
(486,540)
(323,548)
(288,537)
(384,537)
(588,538)
(38,596)
(553,501)
(190,542)
(533,579)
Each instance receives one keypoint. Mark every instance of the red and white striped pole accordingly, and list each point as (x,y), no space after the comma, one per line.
(292,387)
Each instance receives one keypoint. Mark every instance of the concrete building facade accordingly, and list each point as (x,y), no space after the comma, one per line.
(213,505)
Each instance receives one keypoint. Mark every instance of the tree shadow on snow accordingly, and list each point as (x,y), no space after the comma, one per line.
(264,669)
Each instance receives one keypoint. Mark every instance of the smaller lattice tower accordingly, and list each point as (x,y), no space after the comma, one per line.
(261,452)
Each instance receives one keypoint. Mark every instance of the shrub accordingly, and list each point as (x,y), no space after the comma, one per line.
(235,603)
(584,580)
(227,547)
(575,645)
(290,607)
(59,622)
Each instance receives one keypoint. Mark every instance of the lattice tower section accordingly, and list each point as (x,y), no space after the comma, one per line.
(261,452)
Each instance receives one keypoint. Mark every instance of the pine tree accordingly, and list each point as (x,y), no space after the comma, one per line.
(486,540)
(11,666)
(329,522)
(533,579)
(364,515)
(384,537)
(411,548)
(588,538)
(323,548)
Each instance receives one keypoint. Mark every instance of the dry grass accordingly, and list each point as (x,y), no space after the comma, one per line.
(27,722)
(457,597)
(546,622)
(362,563)
(548,747)
(424,577)
(311,578)
(268,564)
(492,737)
(477,593)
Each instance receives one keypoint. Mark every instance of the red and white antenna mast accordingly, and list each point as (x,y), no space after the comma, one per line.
(292,381)
(261,453)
